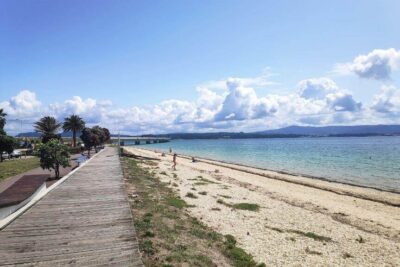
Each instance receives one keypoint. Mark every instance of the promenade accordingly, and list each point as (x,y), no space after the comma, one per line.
(85,221)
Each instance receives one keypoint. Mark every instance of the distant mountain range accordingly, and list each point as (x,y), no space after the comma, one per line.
(338,130)
(291,131)
(297,131)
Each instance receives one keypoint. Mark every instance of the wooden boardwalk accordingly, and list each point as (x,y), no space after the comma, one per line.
(85,221)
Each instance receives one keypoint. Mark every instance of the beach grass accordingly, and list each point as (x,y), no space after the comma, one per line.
(13,167)
(311,235)
(240,206)
(167,234)
(246,206)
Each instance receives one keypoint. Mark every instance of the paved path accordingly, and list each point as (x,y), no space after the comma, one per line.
(85,221)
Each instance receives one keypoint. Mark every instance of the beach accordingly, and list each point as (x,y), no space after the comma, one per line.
(298,220)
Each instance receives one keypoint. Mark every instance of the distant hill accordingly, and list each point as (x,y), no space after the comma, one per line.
(337,130)
(222,135)
(295,131)
(287,132)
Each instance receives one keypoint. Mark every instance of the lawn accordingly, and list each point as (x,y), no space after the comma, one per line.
(13,167)
(168,235)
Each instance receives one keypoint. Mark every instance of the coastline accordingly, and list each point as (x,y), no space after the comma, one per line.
(361,225)
(384,196)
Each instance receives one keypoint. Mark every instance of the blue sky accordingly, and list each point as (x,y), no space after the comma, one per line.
(129,55)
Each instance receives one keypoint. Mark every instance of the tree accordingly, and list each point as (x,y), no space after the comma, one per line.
(73,124)
(53,154)
(7,144)
(89,138)
(107,135)
(48,127)
(2,119)
(99,132)
(95,136)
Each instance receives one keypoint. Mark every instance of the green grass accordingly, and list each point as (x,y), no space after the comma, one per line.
(246,206)
(240,206)
(311,235)
(10,168)
(200,180)
(176,202)
(167,234)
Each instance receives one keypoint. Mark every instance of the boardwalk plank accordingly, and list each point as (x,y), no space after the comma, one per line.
(86,221)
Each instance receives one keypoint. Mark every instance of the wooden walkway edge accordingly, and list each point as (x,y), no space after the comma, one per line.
(85,221)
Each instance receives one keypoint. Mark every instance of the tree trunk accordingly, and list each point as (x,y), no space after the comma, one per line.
(1,157)
(74,137)
(57,171)
(88,152)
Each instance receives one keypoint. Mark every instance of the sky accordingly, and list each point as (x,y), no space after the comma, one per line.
(197,66)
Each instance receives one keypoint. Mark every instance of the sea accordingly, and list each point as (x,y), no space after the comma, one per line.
(364,161)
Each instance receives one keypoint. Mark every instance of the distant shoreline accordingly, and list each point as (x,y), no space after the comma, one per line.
(338,187)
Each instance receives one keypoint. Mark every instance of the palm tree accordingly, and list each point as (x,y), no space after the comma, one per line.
(73,124)
(48,127)
(2,118)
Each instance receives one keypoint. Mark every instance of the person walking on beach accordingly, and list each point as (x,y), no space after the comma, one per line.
(174,161)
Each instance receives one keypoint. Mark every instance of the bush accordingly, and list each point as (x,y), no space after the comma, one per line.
(74,150)
(7,144)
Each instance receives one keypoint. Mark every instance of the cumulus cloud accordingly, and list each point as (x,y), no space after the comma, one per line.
(316,88)
(92,109)
(341,101)
(24,104)
(387,101)
(378,64)
(242,103)
(232,105)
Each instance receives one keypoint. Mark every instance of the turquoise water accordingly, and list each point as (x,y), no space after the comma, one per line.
(367,161)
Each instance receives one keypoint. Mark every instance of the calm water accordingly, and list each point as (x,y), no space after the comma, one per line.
(368,161)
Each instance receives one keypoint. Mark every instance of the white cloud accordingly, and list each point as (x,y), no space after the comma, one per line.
(341,101)
(316,88)
(387,101)
(378,64)
(242,103)
(93,110)
(24,104)
(229,105)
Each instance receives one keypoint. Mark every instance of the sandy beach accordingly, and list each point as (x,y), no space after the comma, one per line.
(301,221)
